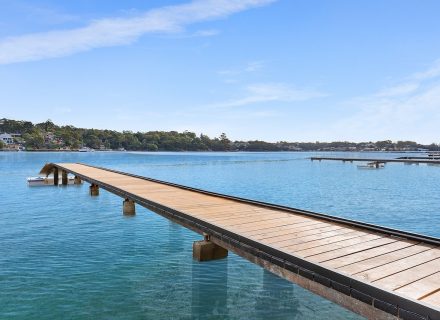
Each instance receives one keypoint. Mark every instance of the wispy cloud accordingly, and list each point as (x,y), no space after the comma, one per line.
(206,33)
(39,14)
(254,66)
(430,73)
(196,34)
(251,66)
(399,90)
(269,92)
(118,31)
(409,110)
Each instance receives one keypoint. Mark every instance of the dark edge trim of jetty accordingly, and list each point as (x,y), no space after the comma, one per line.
(381,299)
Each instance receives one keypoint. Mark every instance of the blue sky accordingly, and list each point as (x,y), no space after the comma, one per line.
(255,69)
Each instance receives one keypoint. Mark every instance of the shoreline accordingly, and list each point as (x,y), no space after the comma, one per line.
(228,151)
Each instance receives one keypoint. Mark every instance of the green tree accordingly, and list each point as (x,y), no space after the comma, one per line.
(224,139)
(34,139)
(92,141)
(2,145)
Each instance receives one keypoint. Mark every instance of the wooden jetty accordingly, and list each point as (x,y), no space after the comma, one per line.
(377,272)
(380,160)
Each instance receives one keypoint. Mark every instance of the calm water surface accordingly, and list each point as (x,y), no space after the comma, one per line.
(66,255)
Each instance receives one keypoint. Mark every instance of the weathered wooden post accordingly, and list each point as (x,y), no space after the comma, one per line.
(77,180)
(128,207)
(94,190)
(206,250)
(55,176)
(64,180)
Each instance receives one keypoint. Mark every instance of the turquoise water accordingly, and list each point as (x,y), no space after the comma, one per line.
(64,254)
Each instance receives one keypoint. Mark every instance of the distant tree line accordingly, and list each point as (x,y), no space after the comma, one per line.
(47,135)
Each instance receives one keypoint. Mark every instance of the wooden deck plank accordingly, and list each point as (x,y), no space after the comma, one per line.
(322,257)
(375,262)
(402,278)
(287,223)
(290,227)
(293,239)
(399,265)
(371,253)
(325,245)
(422,288)
(306,230)
(237,215)
(433,298)
(266,221)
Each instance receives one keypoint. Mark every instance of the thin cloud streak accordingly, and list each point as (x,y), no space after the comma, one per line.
(270,92)
(250,67)
(118,31)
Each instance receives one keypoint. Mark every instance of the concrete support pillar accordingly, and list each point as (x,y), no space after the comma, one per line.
(77,180)
(55,177)
(64,180)
(128,208)
(94,190)
(206,250)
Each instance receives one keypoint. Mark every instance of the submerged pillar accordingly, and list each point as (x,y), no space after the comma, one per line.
(77,180)
(128,208)
(55,176)
(94,190)
(206,250)
(64,180)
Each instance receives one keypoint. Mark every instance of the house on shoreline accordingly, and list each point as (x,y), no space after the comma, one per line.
(9,141)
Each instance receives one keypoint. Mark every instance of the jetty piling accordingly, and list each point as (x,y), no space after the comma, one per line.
(64,180)
(55,177)
(94,190)
(128,207)
(206,250)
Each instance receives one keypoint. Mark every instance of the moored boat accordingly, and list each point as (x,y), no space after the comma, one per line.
(372,165)
(37,181)
(46,181)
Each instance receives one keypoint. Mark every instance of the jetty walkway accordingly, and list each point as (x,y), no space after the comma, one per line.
(377,272)
(381,160)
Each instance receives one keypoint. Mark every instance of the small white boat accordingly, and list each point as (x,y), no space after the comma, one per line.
(46,181)
(372,165)
(86,149)
(37,181)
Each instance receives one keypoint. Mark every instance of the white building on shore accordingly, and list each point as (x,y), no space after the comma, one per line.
(6,138)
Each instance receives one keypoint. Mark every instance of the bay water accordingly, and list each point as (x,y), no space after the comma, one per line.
(66,255)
